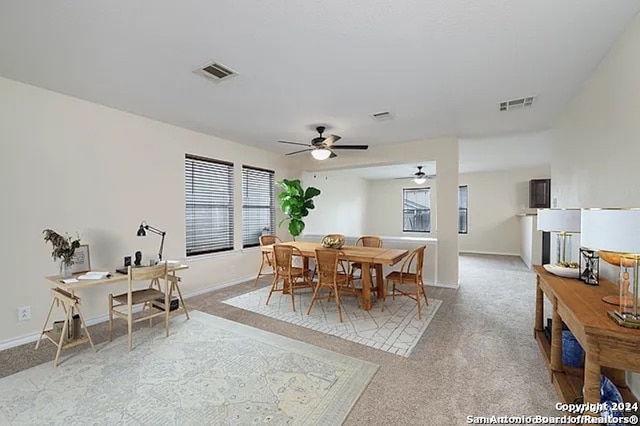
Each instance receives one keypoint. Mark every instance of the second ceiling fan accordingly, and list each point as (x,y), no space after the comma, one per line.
(322,147)
(419,177)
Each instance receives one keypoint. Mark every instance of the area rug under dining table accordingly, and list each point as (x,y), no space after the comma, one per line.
(396,330)
(208,371)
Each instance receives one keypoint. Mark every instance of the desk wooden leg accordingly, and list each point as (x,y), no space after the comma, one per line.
(366,286)
(86,329)
(556,339)
(46,321)
(538,325)
(65,328)
(186,312)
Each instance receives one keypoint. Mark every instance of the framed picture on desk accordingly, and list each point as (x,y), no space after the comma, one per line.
(81,261)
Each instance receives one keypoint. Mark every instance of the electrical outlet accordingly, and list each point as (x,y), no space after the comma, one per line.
(24,313)
(555,202)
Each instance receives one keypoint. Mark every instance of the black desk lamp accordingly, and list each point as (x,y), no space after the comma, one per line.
(142,233)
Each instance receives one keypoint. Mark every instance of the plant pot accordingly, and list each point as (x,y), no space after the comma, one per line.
(65,270)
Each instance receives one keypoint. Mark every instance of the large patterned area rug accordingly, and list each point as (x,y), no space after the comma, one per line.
(208,371)
(396,330)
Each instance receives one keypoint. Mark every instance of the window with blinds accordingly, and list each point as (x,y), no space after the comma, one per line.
(463,209)
(258,204)
(209,205)
(416,210)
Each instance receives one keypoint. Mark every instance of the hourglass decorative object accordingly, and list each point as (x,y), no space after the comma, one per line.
(589,266)
(616,233)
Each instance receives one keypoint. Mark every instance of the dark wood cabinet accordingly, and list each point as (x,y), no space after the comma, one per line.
(539,193)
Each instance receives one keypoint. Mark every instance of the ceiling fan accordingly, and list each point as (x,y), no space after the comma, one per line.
(419,177)
(322,148)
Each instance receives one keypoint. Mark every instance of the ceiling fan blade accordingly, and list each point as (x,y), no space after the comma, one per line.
(408,177)
(295,143)
(330,140)
(350,147)
(298,152)
(333,155)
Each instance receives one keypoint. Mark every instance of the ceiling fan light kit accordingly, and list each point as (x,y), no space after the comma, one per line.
(320,153)
(420,180)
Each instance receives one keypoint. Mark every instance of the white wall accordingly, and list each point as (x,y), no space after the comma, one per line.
(596,148)
(340,208)
(74,166)
(494,200)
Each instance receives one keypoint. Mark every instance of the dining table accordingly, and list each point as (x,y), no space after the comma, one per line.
(368,257)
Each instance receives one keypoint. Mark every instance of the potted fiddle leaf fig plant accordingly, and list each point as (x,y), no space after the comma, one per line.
(295,202)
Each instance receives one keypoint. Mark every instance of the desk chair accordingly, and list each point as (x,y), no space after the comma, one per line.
(292,277)
(267,257)
(147,297)
(409,277)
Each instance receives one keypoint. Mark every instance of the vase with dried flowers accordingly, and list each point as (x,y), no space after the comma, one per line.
(64,248)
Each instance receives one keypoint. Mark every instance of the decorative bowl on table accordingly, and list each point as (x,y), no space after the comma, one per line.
(569,271)
(330,242)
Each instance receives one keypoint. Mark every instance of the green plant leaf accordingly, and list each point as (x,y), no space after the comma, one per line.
(304,212)
(311,192)
(296,226)
(282,221)
(309,205)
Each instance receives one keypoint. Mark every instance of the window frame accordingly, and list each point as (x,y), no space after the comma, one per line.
(230,207)
(271,207)
(404,192)
(466,211)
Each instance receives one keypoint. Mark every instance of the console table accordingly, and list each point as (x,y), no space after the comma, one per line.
(609,348)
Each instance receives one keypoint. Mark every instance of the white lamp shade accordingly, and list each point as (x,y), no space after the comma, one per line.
(320,154)
(559,220)
(616,230)
(420,181)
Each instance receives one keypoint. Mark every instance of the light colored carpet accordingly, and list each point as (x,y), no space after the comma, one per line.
(208,371)
(396,330)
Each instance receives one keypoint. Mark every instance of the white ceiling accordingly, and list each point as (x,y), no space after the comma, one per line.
(439,66)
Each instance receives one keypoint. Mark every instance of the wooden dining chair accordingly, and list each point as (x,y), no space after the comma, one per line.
(291,276)
(364,241)
(267,256)
(330,278)
(328,236)
(155,302)
(409,278)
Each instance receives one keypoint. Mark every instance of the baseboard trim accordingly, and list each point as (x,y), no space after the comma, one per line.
(494,253)
(443,284)
(30,338)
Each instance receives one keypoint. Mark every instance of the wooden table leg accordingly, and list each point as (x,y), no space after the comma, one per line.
(591,380)
(538,325)
(556,339)
(379,280)
(366,286)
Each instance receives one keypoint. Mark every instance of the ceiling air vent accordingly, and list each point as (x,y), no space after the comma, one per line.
(215,72)
(517,103)
(380,116)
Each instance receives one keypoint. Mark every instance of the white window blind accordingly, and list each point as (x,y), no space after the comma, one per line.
(258,204)
(209,205)
(416,210)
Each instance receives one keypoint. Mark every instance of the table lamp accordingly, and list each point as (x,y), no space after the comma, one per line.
(142,232)
(563,223)
(615,233)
